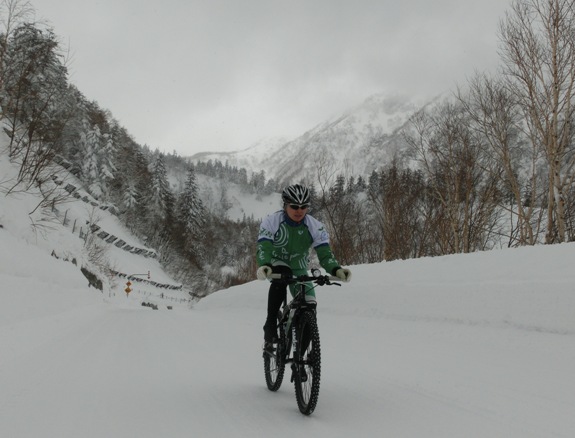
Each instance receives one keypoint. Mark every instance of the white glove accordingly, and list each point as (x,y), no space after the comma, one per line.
(344,274)
(263,272)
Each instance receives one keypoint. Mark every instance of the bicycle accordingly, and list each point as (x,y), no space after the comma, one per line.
(298,342)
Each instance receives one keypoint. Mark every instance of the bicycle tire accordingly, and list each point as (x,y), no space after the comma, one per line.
(274,364)
(307,390)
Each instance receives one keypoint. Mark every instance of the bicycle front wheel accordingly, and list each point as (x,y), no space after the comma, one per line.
(307,364)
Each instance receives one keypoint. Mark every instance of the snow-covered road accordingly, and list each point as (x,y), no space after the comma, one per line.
(389,368)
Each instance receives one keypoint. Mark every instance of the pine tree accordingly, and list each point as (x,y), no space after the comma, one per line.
(88,157)
(161,199)
(130,198)
(191,212)
(107,168)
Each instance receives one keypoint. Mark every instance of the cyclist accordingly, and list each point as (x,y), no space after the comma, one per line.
(284,240)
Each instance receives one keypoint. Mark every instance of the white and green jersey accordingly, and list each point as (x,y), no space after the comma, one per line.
(282,241)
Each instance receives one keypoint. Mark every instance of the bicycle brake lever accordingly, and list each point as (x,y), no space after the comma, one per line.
(330,283)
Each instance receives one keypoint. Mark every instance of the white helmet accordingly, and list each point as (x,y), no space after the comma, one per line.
(296,194)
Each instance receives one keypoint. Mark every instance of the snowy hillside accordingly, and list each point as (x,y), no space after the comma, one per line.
(80,232)
(255,158)
(479,345)
(356,142)
(240,204)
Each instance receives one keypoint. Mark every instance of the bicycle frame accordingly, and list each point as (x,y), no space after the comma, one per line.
(298,303)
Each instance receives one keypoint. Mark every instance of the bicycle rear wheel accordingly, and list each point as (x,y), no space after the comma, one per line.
(307,364)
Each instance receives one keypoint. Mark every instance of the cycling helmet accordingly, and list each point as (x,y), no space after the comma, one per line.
(296,194)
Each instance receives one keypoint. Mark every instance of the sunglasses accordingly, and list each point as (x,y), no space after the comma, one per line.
(297,207)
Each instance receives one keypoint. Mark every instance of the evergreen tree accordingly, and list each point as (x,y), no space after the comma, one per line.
(107,166)
(191,213)
(190,233)
(131,195)
(160,199)
(88,158)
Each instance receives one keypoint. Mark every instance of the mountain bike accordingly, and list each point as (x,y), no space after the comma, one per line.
(298,342)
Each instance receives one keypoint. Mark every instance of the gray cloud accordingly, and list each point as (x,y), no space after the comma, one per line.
(221,74)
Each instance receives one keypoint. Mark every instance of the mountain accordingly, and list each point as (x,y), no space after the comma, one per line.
(255,158)
(354,143)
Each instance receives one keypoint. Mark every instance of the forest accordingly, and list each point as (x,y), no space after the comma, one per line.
(492,166)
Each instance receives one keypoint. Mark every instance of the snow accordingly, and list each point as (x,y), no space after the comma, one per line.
(477,345)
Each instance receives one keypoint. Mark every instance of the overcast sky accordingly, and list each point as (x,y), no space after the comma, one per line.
(218,75)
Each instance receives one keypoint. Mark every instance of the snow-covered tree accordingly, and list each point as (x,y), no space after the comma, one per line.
(88,156)
(191,212)
(160,200)
(33,86)
(131,195)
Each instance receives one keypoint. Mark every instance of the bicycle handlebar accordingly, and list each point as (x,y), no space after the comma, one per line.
(318,279)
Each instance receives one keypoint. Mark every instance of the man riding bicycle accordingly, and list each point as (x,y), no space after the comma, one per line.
(284,241)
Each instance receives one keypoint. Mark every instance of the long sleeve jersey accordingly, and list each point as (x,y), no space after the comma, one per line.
(282,241)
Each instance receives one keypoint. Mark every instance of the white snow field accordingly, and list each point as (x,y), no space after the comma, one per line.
(479,345)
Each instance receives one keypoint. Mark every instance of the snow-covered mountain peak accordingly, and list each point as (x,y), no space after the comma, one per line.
(354,142)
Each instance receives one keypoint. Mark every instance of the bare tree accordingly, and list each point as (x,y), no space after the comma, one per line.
(538,51)
(33,103)
(395,197)
(497,119)
(452,159)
